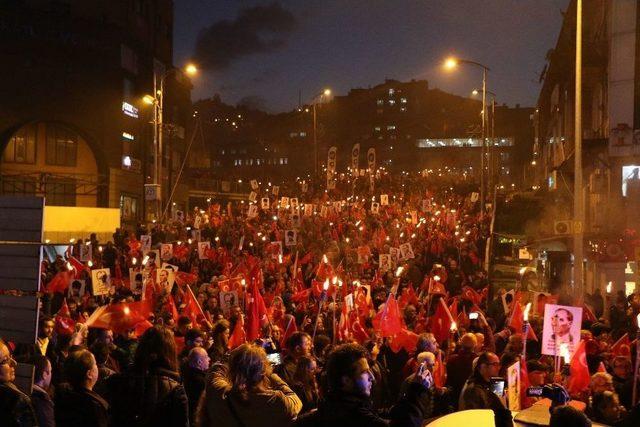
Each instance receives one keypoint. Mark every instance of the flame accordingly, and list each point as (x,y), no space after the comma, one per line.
(325,259)
(399,271)
(436,278)
(453,327)
(69,266)
(526,312)
(90,263)
(145,260)
(134,261)
(334,280)
(609,287)
(126,310)
(325,286)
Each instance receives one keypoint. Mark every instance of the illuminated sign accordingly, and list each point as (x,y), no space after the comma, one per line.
(129,110)
(128,136)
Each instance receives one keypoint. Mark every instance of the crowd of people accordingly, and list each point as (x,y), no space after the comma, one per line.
(364,305)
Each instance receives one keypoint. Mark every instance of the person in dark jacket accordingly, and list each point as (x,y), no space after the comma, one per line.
(150,394)
(194,376)
(77,405)
(477,393)
(15,406)
(459,366)
(40,398)
(349,382)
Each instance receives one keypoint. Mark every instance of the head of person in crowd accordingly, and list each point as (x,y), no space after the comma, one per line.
(373,349)
(515,343)
(248,368)
(601,381)
(622,367)
(306,369)
(506,360)
(537,373)
(606,408)
(42,371)
(183,325)
(410,314)
(105,336)
(46,326)
(299,344)
(199,359)
(100,351)
(348,371)
(220,333)
(568,416)
(321,346)
(156,350)
(194,338)
(81,369)
(7,364)
(486,365)
(468,343)
(426,342)
(428,358)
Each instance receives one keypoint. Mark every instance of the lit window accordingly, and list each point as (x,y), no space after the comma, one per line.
(380,102)
(286,160)
(377,128)
(403,109)
(391,127)
(391,92)
(392,102)
(403,100)
(303,134)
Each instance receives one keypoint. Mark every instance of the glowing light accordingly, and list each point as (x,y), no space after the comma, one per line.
(325,286)
(436,278)
(189,241)
(90,263)
(523,270)
(454,327)
(134,260)
(526,312)
(280,258)
(145,260)
(126,310)
(72,240)
(191,69)
(399,271)
(609,287)
(69,266)
(325,259)
(243,282)
(334,280)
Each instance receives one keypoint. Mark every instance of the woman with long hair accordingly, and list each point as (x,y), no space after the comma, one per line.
(305,383)
(151,394)
(220,347)
(247,393)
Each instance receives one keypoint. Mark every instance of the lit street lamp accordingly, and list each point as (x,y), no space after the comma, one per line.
(318,97)
(157,101)
(450,64)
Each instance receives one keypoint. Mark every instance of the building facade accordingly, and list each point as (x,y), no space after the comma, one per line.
(72,124)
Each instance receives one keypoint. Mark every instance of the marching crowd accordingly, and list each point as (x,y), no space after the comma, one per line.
(366,305)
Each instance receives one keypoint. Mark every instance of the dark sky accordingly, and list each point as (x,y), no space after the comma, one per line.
(266,51)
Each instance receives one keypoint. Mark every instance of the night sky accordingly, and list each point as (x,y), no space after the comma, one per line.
(261,53)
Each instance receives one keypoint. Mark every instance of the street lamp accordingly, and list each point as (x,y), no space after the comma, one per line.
(450,64)
(314,100)
(157,101)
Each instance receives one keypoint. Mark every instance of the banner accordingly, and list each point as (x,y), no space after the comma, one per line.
(166,251)
(513,386)
(203,247)
(355,158)
(371,159)
(101,281)
(561,328)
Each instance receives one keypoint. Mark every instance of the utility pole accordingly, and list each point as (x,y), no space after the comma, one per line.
(578,199)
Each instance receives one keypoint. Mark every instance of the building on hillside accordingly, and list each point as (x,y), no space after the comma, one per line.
(72,124)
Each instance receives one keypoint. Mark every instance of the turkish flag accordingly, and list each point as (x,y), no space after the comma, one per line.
(77,266)
(517,320)
(408,297)
(239,336)
(184,278)
(441,321)
(388,321)
(344,324)
(60,282)
(622,347)
(65,325)
(579,378)
(291,327)
(120,317)
(192,309)
(357,331)
(170,306)
(256,311)
(404,339)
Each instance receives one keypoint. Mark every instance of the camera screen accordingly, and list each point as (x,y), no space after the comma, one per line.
(274,358)
(497,386)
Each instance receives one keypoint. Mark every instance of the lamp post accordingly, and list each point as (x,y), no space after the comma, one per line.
(578,197)
(315,100)
(157,100)
(492,135)
(450,64)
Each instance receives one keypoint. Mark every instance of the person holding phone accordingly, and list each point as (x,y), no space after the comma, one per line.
(484,390)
